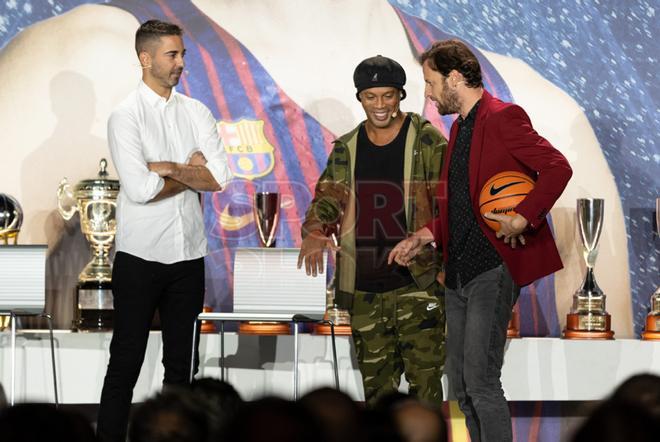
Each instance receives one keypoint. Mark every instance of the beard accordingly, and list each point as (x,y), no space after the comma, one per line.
(448,102)
(174,77)
(166,77)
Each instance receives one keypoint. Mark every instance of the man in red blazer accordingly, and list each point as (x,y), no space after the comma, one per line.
(484,269)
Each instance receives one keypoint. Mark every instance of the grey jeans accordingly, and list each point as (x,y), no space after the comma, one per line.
(477,317)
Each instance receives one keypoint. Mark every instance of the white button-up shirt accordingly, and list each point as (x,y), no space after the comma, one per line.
(145,128)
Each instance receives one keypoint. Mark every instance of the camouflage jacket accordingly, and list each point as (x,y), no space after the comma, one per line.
(334,200)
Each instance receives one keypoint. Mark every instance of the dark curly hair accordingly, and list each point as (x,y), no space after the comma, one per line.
(150,31)
(447,55)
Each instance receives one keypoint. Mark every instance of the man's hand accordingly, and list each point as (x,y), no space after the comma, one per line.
(406,250)
(311,252)
(511,228)
(197,159)
(193,174)
(162,168)
(167,168)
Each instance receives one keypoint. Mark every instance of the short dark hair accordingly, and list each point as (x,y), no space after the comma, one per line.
(221,402)
(150,31)
(447,55)
(173,415)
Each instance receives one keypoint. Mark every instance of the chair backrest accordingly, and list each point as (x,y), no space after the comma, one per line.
(23,278)
(267,280)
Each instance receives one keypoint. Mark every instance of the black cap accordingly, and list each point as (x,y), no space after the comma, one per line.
(379,71)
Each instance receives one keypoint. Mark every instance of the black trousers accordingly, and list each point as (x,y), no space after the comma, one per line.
(139,288)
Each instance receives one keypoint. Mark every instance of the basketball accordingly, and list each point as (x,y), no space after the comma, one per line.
(502,193)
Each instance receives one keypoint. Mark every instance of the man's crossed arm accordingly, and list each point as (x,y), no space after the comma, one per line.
(179,177)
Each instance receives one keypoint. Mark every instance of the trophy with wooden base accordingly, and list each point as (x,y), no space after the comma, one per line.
(588,318)
(340,318)
(266,211)
(652,330)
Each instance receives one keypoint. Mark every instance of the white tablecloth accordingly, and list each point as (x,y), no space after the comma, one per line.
(534,369)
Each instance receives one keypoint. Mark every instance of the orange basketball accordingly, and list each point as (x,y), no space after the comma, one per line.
(502,193)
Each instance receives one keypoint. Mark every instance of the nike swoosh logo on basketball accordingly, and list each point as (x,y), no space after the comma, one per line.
(495,190)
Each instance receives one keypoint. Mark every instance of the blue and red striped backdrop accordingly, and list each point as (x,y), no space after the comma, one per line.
(224,75)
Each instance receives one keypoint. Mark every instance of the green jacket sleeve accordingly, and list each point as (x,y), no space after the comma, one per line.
(330,194)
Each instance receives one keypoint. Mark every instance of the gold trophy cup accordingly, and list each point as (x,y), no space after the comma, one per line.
(652,330)
(96,201)
(588,318)
(11,220)
(266,211)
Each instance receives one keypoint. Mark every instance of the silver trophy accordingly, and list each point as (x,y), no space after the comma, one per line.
(652,329)
(95,200)
(588,318)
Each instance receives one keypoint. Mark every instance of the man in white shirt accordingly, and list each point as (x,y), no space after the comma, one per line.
(166,149)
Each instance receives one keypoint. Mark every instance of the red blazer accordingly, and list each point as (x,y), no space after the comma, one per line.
(504,139)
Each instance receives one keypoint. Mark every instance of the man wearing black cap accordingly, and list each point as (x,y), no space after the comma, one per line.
(378,187)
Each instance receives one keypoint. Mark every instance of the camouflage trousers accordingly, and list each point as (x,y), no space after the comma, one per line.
(400,331)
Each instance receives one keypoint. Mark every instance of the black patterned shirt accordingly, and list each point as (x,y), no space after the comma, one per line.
(469,252)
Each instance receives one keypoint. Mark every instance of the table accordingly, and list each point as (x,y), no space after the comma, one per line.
(255,365)
(535,369)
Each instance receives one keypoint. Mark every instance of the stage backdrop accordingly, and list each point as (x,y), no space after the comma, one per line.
(277,75)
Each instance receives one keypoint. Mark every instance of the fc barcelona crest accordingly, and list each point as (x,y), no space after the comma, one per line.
(249,153)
